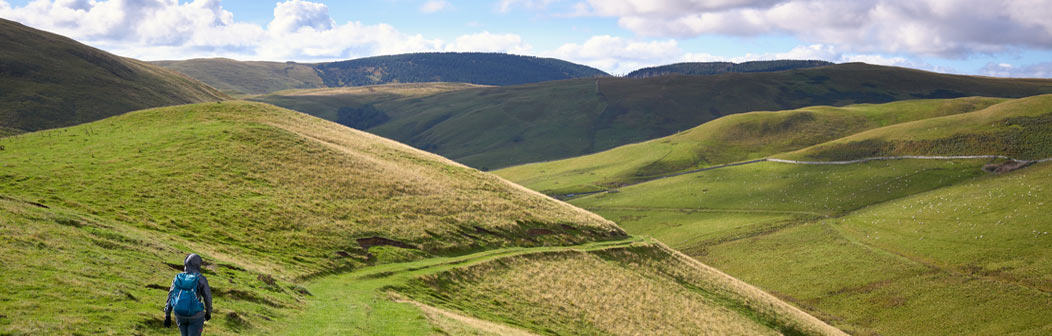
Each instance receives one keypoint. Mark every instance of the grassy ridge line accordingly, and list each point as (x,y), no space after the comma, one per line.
(346,301)
(609,291)
(728,140)
(359,302)
(1020,128)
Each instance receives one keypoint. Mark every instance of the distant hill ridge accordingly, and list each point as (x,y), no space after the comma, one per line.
(715,68)
(238,77)
(49,81)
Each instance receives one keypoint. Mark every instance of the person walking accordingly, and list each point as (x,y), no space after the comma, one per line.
(190,298)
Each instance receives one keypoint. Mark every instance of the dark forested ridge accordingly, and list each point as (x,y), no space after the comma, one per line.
(48,81)
(474,68)
(714,68)
(237,77)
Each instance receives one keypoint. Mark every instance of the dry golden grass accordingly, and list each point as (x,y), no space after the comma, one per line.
(643,290)
(452,323)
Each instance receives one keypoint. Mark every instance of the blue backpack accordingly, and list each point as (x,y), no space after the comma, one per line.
(184,298)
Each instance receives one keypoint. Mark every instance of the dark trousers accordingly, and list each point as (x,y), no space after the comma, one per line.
(190,326)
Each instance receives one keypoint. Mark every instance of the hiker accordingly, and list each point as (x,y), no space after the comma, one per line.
(189,290)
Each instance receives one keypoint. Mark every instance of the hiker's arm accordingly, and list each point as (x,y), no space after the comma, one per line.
(168,301)
(206,293)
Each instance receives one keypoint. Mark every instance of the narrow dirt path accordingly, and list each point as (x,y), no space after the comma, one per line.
(858,161)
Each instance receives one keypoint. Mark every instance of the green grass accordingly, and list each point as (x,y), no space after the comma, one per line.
(1021,129)
(359,302)
(262,189)
(492,128)
(72,273)
(894,247)
(770,187)
(51,81)
(728,139)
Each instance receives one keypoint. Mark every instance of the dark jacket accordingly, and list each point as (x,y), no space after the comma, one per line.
(192,264)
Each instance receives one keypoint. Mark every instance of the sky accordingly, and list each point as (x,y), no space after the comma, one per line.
(1006,38)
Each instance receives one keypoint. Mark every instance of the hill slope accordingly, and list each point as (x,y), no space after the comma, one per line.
(476,68)
(49,81)
(353,106)
(497,127)
(729,139)
(1020,129)
(713,68)
(921,247)
(297,217)
(250,77)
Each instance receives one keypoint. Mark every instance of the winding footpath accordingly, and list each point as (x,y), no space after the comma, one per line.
(358,302)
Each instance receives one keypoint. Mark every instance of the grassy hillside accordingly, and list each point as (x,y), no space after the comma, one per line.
(243,78)
(920,247)
(248,78)
(49,81)
(491,128)
(352,106)
(713,68)
(306,227)
(728,139)
(1020,129)
(894,247)
(632,290)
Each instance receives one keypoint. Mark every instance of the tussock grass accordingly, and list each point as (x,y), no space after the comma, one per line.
(732,138)
(619,291)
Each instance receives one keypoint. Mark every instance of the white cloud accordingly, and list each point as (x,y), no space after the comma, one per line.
(165,29)
(1039,70)
(432,6)
(924,27)
(618,55)
(294,15)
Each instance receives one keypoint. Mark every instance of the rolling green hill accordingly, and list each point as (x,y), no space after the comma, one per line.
(911,246)
(309,227)
(49,81)
(247,78)
(729,139)
(713,68)
(491,128)
(1020,129)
